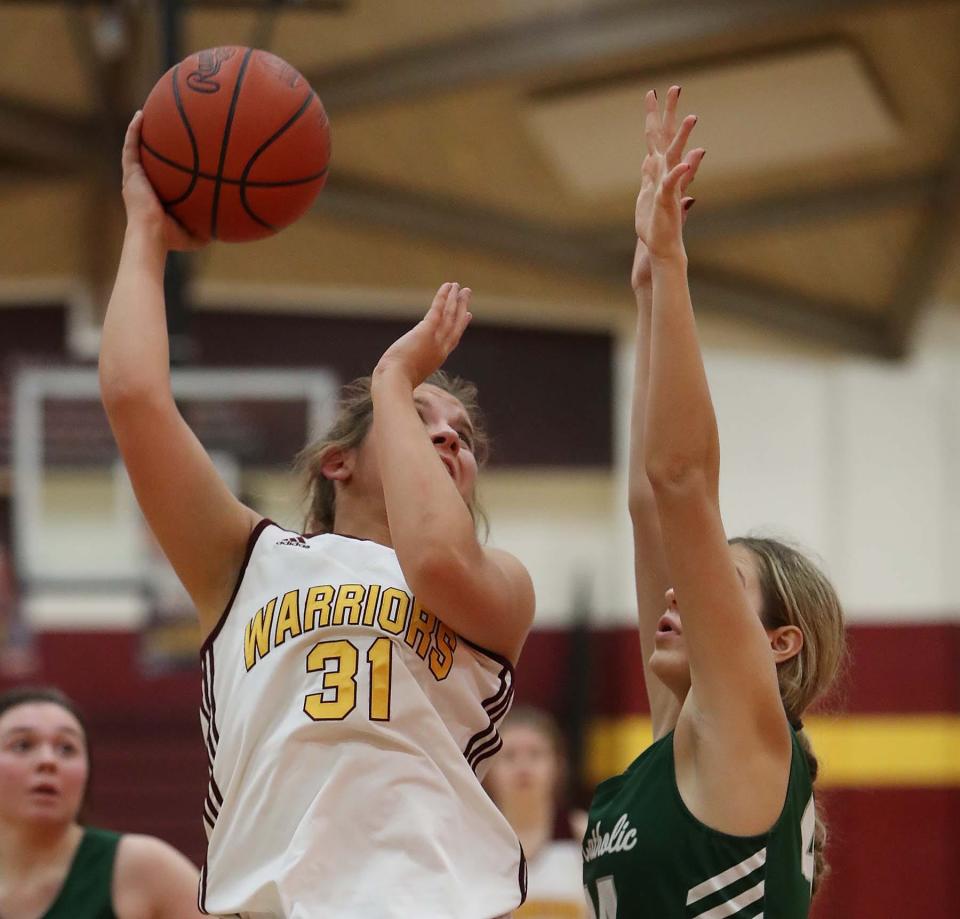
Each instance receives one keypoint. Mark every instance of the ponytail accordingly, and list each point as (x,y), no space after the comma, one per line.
(820,866)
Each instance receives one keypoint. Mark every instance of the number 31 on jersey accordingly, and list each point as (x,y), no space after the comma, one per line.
(339,663)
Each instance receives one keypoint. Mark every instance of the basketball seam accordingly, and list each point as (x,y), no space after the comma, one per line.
(252,183)
(226,141)
(246,170)
(193,141)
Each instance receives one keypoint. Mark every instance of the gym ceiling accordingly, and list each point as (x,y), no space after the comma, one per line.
(498,142)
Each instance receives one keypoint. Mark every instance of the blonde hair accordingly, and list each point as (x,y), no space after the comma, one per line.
(354,416)
(796,592)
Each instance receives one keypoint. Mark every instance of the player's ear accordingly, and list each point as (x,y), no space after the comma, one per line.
(785,642)
(338,464)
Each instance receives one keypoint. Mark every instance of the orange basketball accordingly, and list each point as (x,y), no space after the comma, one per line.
(235,142)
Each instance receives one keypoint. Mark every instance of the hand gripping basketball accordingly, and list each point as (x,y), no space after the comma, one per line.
(140,200)
(235,143)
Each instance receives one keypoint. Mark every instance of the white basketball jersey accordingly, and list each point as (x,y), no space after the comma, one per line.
(347,730)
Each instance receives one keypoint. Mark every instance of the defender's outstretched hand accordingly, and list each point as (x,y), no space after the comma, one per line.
(429,343)
(664,167)
(139,198)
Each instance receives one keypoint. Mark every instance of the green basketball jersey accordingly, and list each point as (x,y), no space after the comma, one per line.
(645,856)
(87,890)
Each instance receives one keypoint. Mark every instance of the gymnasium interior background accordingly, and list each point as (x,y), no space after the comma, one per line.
(498,143)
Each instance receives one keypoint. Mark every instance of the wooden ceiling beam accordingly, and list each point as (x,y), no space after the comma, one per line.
(334,6)
(452,219)
(814,320)
(553,44)
(925,259)
(841,201)
(45,137)
(455,223)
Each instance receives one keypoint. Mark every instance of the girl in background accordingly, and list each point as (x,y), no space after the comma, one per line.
(52,866)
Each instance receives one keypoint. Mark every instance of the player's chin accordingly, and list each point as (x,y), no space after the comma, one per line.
(671,665)
(47,814)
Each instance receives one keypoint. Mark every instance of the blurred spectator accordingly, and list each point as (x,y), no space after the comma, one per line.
(528,781)
(50,864)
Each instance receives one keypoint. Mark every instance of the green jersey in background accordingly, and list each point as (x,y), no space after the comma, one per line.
(87,891)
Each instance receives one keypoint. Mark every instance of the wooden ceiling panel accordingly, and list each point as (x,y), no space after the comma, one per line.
(910,51)
(518,176)
(367,28)
(41,229)
(39,62)
(784,111)
(856,261)
(914,51)
(915,55)
(323,253)
(471,145)
(949,291)
(210,28)
(436,173)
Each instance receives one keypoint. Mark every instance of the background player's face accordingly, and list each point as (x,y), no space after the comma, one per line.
(526,767)
(669,660)
(448,426)
(43,764)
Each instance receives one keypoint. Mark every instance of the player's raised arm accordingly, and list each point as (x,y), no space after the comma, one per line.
(201,526)
(428,472)
(650,567)
(734,689)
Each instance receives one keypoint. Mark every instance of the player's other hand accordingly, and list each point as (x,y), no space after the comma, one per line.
(427,345)
(139,198)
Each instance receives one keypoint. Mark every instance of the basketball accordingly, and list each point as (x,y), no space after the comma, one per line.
(235,143)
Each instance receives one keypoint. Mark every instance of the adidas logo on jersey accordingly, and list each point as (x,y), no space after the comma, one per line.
(298,541)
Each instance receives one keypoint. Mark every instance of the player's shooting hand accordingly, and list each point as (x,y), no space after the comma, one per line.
(139,198)
(665,160)
(427,345)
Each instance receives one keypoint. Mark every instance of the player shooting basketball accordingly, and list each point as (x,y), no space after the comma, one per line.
(353,679)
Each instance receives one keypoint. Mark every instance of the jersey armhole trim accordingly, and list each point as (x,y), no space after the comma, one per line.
(710,830)
(251,544)
(493,655)
(524,876)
